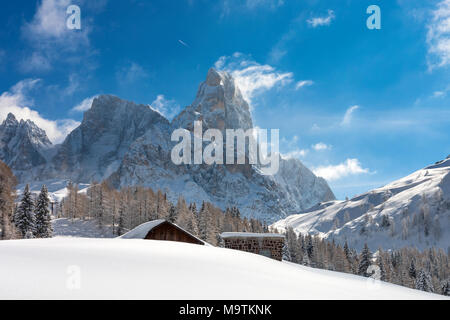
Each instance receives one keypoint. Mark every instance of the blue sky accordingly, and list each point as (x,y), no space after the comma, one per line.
(360,107)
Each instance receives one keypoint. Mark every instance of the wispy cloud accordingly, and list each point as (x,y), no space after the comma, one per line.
(168,108)
(131,73)
(230,6)
(321,146)
(50,38)
(303,83)
(335,172)
(17,101)
(323,20)
(84,105)
(295,154)
(348,117)
(438,36)
(251,77)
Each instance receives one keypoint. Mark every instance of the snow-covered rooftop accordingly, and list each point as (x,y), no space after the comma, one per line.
(141,231)
(250,235)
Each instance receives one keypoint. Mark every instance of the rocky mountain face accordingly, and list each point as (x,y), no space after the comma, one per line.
(130,144)
(23,145)
(413,211)
(95,149)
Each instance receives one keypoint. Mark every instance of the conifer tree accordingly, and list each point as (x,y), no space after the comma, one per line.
(24,218)
(364,261)
(445,287)
(43,219)
(424,282)
(412,269)
(172,214)
(380,265)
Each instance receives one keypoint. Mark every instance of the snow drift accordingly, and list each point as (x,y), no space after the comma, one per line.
(147,269)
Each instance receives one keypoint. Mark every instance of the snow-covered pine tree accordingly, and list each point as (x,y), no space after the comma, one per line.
(172,214)
(445,287)
(42,214)
(380,265)
(365,261)
(412,270)
(292,245)
(121,213)
(423,281)
(24,218)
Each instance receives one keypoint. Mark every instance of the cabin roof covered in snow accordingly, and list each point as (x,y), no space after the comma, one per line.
(141,231)
(250,235)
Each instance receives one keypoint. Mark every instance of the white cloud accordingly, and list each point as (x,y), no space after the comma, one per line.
(168,108)
(50,19)
(321,146)
(17,102)
(51,40)
(295,154)
(84,105)
(349,115)
(336,172)
(438,36)
(322,21)
(35,62)
(303,83)
(229,6)
(251,77)
(131,73)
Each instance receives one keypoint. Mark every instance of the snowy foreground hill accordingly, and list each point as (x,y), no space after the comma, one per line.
(146,269)
(411,212)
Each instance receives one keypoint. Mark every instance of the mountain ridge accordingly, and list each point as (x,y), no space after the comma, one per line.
(411,211)
(134,148)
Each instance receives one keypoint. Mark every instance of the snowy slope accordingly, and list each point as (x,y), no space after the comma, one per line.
(57,189)
(413,211)
(77,228)
(146,269)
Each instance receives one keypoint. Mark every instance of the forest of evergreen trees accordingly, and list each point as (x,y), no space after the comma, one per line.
(427,270)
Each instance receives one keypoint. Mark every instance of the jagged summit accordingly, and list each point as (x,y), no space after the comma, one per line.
(23,144)
(10,120)
(219,104)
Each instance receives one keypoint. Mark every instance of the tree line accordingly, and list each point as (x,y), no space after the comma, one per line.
(427,270)
(124,209)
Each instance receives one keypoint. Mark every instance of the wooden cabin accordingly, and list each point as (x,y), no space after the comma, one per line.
(266,244)
(161,230)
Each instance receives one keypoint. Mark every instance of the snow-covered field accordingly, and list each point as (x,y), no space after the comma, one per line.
(78,228)
(64,268)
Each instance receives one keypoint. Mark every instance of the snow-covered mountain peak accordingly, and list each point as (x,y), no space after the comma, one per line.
(10,121)
(219,104)
(23,144)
